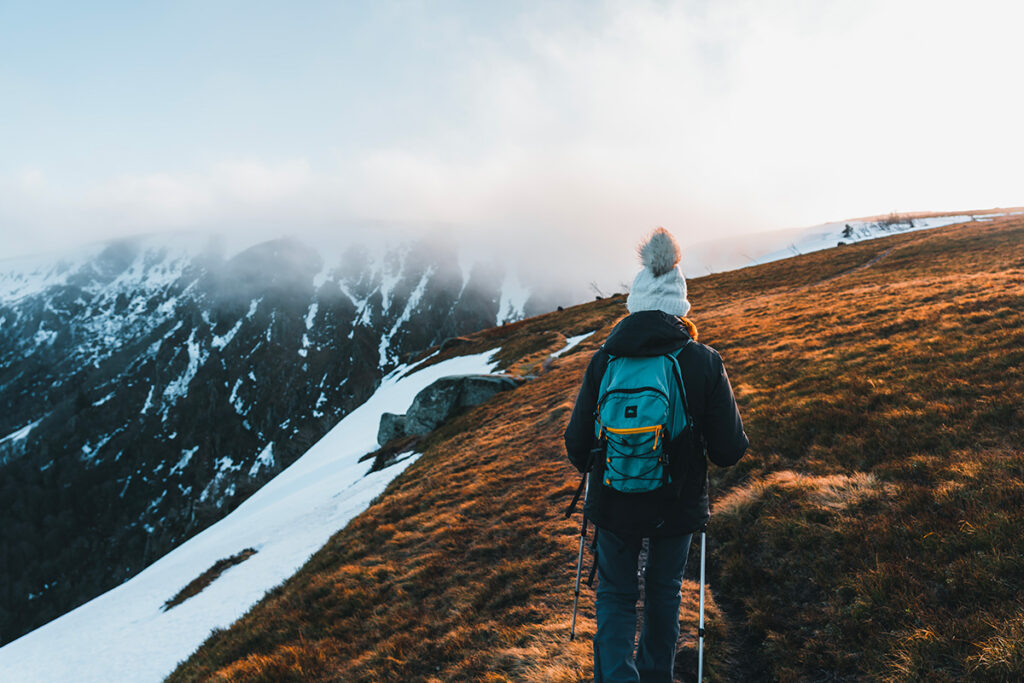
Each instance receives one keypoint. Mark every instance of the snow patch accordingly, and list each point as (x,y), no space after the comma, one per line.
(155,503)
(514,296)
(89,451)
(104,399)
(319,404)
(358,303)
(186,457)
(155,346)
(220,341)
(20,434)
(196,357)
(311,315)
(167,307)
(364,316)
(149,401)
(224,465)
(388,280)
(44,336)
(466,263)
(571,343)
(407,312)
(331,260)
(264,459)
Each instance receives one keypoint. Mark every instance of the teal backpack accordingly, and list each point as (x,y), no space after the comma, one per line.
(641,406)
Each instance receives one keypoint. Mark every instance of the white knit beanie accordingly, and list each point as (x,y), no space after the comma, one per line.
(660,286)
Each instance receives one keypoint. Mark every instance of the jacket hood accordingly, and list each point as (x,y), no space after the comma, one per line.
(647,333)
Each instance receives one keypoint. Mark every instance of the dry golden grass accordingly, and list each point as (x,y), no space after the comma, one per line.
(872,533)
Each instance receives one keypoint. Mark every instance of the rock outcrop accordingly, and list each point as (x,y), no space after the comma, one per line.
(441,400)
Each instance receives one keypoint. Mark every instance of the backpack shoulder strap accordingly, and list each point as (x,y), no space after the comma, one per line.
(677,370)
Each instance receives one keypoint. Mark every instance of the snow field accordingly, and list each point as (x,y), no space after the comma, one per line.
(124,635)
(830,234)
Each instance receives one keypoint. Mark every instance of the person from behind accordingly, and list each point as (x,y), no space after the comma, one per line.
(654,406)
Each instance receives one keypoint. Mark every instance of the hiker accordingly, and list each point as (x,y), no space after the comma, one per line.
(677,506)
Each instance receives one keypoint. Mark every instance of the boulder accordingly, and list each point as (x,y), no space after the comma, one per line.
(449,395)
(441,400)
(391,427)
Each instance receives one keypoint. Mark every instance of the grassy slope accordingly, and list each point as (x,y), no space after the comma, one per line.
(871,532)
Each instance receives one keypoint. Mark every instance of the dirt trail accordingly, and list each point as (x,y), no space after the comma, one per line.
(744,661)
(855,269)
(743,657)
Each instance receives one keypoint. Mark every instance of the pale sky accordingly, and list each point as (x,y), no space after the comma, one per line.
(554,124)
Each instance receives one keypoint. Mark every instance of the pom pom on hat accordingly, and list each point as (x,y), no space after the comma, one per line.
(660,286)
(659,253)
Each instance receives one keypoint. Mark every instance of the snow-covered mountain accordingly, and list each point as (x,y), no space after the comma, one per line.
(148,386)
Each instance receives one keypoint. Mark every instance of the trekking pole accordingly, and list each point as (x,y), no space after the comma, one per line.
(579,562)
(700,627)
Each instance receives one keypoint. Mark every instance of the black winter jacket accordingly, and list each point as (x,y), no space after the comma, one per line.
(683,507)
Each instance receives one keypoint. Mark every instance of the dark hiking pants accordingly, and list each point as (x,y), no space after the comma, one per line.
(617,594)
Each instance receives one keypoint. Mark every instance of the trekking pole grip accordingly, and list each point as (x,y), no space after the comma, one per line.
(581,489)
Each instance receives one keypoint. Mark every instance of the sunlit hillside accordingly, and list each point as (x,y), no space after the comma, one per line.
(872,531)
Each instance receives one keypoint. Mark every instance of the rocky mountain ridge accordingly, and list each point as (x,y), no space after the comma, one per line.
(148,386)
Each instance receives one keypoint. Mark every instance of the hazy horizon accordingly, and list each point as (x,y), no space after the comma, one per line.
(565,129)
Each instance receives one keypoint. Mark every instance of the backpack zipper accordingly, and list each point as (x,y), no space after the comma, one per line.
(657,429)
(634,390)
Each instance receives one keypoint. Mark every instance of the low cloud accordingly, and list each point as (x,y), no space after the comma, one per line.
(574,137)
